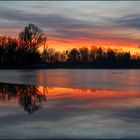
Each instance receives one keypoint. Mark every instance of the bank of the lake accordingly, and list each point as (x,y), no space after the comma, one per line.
(134,65)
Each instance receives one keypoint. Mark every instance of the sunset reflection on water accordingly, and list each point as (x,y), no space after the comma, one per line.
(68,97)
(67,112)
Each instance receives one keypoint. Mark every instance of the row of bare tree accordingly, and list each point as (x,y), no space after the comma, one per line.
(23,52)
(85,55)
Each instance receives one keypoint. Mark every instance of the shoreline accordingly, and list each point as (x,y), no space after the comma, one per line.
(74,66)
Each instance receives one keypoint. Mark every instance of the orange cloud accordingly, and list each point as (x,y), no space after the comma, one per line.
(103,39)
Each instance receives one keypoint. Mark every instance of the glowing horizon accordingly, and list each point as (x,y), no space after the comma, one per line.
(75,24)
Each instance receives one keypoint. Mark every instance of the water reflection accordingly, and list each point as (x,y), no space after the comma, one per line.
(68,112)
(31,98)
(28,96)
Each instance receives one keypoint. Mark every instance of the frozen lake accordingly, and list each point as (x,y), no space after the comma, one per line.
(70,104)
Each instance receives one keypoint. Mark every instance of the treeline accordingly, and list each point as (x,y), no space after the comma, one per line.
(23,53)
(95,57)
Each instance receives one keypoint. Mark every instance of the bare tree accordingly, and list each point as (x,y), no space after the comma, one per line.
(32,37)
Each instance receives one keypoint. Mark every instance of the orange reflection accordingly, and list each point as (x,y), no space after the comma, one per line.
(94,98)
(31,98)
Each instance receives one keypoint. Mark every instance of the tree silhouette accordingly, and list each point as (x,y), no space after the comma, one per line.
(8,48)
(111,57)
(92,53)
(84,54)
(33,37)
(74,56)
(49,55)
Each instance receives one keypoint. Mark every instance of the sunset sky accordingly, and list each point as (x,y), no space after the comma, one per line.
(71,24)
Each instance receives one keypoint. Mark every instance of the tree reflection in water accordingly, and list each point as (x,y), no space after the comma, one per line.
(29,97)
